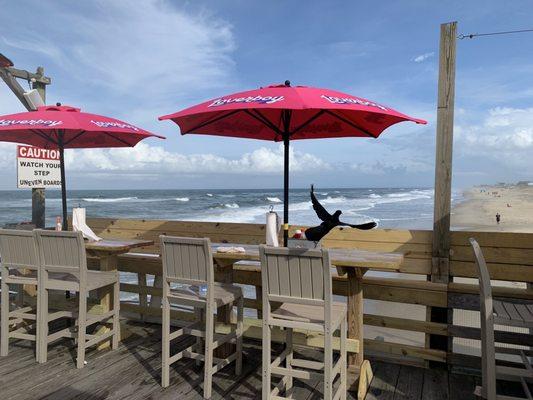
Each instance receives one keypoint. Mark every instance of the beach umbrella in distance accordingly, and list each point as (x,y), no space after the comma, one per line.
(283,113)
(65,127)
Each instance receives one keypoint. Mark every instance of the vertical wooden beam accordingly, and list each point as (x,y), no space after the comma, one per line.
(38,205)
(443,161)
(443,176)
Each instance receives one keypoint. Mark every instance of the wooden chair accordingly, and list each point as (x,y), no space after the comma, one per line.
(18,265)
(188,263)
(64,253)
(501,313)
(301,281)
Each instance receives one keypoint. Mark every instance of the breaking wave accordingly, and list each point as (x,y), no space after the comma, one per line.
(99,200)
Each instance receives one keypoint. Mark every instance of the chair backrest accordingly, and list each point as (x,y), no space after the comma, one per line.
(17,249)
(296,275)
(187,260)
(485,290)
(61,252)
(488,356)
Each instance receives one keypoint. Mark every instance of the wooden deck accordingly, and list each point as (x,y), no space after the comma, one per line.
(133,372)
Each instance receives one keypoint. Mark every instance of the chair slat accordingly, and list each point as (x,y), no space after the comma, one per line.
(294,276)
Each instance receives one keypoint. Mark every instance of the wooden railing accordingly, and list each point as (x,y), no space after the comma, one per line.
(509,257)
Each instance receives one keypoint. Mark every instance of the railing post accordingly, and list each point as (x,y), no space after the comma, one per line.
(440,272)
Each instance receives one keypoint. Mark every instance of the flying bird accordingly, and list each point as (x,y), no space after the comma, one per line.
(329,221)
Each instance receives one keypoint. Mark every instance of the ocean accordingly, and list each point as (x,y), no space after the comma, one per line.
(399,208)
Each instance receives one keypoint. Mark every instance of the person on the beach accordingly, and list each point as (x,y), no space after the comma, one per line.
(498,218)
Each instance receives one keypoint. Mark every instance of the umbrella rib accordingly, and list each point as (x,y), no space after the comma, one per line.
(347,121)
(44,136)
(118,139)
(264,120)
(306,123)
(218,118)
(74,138)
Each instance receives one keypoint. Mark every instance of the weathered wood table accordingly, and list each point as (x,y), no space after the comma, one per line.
(351,262)
(107,251)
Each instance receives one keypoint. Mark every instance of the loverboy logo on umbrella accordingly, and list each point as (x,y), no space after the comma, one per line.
(107,124)
(249,99)
(352,100)
(32,122)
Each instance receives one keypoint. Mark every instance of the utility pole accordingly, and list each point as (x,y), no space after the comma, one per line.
(443,177)
(38,81)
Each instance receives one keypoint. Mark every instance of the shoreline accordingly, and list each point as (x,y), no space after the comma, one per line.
(478,211)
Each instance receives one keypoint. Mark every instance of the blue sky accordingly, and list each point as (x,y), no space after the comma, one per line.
(137,60)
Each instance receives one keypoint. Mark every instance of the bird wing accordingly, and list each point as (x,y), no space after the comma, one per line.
(364,227)
(321,212)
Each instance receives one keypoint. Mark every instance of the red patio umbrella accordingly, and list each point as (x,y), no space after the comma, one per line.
(65,127)
(284,113)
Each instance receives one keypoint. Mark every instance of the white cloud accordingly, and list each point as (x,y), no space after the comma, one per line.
(504,137)
(146,162)
(423,57)
(7,158)
(405,166)
(130,55)
(149,160)
(34,43)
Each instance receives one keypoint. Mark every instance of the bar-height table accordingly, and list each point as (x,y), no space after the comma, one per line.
(107,251)
(350,262)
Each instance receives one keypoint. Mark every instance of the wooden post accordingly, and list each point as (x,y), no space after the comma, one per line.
(38,213)
(38,206)
(9,75)
(440,272)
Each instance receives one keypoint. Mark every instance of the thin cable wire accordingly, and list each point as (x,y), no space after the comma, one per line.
(473,35)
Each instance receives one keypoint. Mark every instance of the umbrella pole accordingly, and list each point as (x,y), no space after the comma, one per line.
(286,190)
(63,182)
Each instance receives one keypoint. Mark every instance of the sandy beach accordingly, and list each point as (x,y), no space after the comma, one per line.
(478,211)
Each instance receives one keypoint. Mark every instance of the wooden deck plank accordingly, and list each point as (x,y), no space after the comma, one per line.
(133,372)
(410,382)
(119,375)
(435,385)
(58,377)
(461,387)
(383,386)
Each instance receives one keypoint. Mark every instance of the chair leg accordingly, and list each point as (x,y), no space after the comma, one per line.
(143,298)
(4,322)
(82,328)
(42,329)
(288,361)
(198,312)
(266,360)
(259,300)
(209,336)
(240,328)
(328,364)
(20,296)
(344,383)
(38,325)
(165,370)
(116,314)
